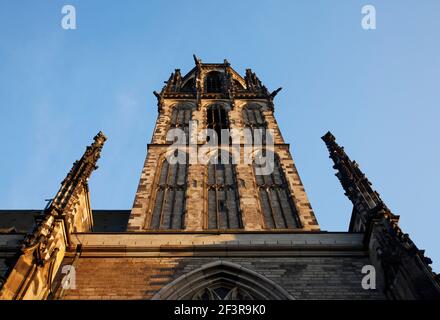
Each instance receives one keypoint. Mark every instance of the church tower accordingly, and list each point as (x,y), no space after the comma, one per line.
(220,213)
(218,195)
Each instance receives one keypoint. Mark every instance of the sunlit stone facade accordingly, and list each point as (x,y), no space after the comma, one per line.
(217,230)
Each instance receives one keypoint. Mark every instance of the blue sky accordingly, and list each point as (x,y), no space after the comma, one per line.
(377,91)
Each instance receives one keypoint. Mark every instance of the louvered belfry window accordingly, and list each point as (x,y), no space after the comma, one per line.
(180,118)
(213,82)
(253,119)
(278,208)
(169,206)
(223,199)
(217,119)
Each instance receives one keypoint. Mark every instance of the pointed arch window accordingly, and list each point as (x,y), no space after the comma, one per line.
(277,205)
(217,119)
(180,118)
(222,280)
(170,199)
(253,119)
(223,200)
(213,82)
(223,291)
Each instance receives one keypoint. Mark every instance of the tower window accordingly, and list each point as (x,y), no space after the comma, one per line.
(277,205)
(169,205)
(213,82)
(253,116)
(223,200)
(217,119)
(253,119)
(180,118)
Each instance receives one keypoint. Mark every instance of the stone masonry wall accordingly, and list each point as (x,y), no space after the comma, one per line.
(141,278)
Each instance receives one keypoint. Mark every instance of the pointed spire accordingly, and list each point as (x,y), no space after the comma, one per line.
(177,77)
(252,81)
(174,82)
(198,81)
(366,201)
(391,250)
(168,83)
(68,194)
(80,172)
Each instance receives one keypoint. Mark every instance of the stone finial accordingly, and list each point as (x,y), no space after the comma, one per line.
(366,201)
(100,138)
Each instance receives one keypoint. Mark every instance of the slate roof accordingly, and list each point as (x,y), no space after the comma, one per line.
(22,221)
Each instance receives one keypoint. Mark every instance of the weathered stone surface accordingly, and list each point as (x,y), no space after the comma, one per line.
(142,278)
(263,262)
(196,213)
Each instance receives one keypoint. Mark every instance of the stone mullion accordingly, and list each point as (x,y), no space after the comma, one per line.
(272,211)
(165,194)
(216,196)
(270,214)
(172,204)
(184,209)
(225,192)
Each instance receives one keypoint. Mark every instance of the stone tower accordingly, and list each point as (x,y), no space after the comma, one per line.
(210,223)
(207,196)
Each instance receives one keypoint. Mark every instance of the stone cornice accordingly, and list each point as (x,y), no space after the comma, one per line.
(205,244)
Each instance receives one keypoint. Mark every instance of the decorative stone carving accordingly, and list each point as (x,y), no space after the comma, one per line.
(405,271)
(43,249)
